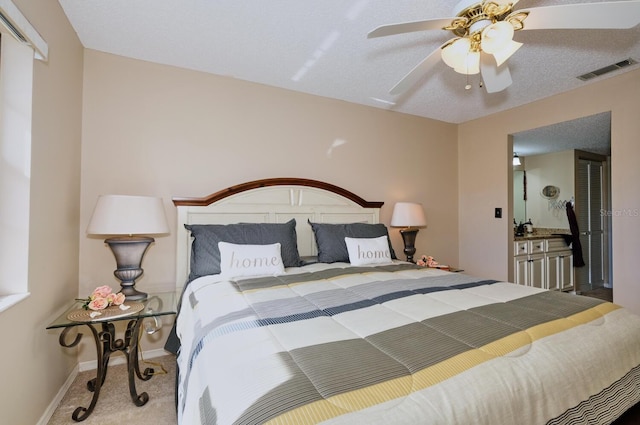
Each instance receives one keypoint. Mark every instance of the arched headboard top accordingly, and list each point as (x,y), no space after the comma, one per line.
(275,200)
(278,181)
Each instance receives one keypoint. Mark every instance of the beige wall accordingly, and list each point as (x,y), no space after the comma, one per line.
(33,365)
(556,169)
(485,163)
(150,129)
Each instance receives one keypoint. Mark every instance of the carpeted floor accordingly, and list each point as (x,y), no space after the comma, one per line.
(114,406)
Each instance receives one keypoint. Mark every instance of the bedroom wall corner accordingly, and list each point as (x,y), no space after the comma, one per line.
(34,365)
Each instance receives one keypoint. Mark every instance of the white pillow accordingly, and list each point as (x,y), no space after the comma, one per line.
(368,250)
(250,260)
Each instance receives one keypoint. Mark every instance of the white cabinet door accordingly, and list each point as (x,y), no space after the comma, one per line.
(521,269)
(559,270)
(537,275)
(529,270)
(566,271)
(554,271)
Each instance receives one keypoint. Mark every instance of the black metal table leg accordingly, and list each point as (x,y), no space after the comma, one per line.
(131,338)
(106,344)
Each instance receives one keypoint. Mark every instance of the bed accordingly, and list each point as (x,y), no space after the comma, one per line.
(277,326)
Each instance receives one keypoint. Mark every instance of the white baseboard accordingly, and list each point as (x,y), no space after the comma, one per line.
(51,408)
(120,359)
(82,367)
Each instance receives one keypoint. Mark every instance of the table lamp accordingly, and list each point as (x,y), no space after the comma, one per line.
(410,216)
(126,219)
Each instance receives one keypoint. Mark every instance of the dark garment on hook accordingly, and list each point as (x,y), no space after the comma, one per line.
(576,246)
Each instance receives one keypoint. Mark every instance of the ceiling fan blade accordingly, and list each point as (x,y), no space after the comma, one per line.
(613,15)
(417,72)
(496,78)
(392,29)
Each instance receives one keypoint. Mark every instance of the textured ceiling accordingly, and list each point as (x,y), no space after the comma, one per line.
(591,134)
(321,48)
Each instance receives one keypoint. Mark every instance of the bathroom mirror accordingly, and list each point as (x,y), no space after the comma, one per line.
(550,192)
(519,196)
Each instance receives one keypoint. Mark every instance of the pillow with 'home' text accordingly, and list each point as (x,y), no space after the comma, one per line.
(364,251)
(250,260)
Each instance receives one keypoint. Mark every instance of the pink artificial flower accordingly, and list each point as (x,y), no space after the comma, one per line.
(427,261)
(98,303)
(101,292)
(118,298)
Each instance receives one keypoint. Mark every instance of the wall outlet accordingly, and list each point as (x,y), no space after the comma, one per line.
(498,213)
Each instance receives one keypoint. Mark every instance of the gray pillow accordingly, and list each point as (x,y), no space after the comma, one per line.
(205,254)
(330,239)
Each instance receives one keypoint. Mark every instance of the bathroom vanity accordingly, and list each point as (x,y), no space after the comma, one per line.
(543,261)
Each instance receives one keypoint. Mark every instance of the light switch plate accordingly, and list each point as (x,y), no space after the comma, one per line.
(498,213)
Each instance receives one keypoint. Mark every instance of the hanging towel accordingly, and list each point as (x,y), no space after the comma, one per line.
(576,246)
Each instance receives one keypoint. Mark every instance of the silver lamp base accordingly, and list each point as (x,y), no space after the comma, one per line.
(129,252)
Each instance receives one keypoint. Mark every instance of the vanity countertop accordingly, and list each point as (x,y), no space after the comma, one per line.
(543,233)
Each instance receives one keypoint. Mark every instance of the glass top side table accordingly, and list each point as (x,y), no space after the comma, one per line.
(104,334)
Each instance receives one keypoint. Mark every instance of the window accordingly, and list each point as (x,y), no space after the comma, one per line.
(16,79)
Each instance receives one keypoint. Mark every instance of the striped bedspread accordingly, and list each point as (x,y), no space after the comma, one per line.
(400,345)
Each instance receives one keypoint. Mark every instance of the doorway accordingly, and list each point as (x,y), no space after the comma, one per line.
(590,139)
(591,203)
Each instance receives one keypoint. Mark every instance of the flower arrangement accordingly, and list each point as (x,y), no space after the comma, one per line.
(427,261)
(103,297)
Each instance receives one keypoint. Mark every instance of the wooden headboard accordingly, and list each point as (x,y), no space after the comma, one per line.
(275,200)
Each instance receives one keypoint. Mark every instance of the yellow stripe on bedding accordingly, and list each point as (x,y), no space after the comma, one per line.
(363,398)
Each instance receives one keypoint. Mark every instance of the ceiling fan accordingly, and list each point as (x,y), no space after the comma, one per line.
(483,34)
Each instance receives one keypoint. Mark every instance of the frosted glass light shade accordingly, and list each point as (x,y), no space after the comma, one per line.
(497,36)
(408,214)
(128,215)
(504,54)
(454,55)
(471,64)
(516,159)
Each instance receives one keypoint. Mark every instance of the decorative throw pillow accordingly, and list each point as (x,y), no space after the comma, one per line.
(250,260)
(205,254)
(363,251)
(330,239)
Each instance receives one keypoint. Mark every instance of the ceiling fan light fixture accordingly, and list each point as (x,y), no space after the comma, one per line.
(504,54)
(496,37)
(455,53)
(471,64)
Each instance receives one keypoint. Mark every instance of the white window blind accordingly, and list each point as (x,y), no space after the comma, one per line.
(19,44)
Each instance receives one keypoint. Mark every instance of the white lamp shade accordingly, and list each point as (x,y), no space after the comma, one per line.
(408,214)
(128,215)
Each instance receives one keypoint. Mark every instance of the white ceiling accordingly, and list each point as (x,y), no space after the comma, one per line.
(591,134)
(321,48)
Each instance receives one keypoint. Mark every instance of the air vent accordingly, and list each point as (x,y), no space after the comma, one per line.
(607,69)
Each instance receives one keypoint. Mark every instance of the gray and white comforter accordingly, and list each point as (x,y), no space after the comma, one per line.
(398,344)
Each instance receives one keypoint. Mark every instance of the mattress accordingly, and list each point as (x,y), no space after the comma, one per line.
(400,344)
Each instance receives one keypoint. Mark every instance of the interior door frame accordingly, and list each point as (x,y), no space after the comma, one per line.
(606,205)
